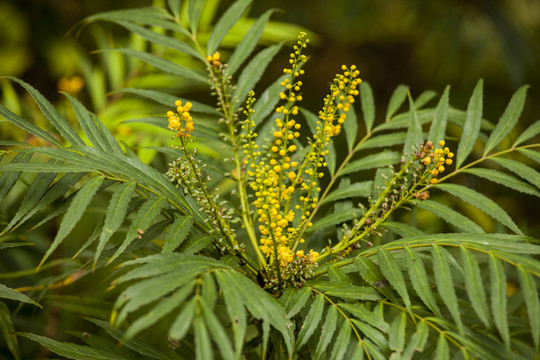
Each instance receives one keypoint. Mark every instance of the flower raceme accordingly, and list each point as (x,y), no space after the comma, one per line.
(181,121)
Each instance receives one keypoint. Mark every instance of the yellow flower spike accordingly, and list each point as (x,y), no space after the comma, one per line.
(300,253)
(441,169)
(450,155)
(441,143)
(178,103)
(448,161)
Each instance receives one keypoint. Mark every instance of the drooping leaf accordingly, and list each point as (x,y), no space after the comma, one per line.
(474,285)
(392,272)
(311,321)
(445,284)
(396,340)
(440,117)
(116,213)
(177,233)
(9,178)
(361,189)
(219,335)
(504,179)
(8,332)
(175,7)
(420,279)
(76,209)
(442,352)
(414,133)
(508,119)
(530,132)
(520,169)
(163,64)
(327,331)
(471,127)
(497,281)
(378,160)
(183,321)
(248,43)
(51,114)
(530,294)
(368,105)
(481,202)
(9,293)
(450,216)
(372,334)
(203,346)
(27,126)
(229,18)
(253,71)
(396,100)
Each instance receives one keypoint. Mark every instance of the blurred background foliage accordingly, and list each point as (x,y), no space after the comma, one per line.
(423,44)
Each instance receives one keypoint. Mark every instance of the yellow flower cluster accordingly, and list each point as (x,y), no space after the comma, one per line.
(214,59)
(440,158)
(182,114)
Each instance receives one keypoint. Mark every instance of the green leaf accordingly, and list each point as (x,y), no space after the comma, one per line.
(372,334)
(378,160)
(327,331)
(385,140)
(8,332)
(298,301)
(161,39)
(333,219)
(9,293)
(450,216)
(222,27)
(368,105)
(150,15)
(194,13)
(351,127)
(92,131)
(474,285)
(440,117)
(414,133)
(175,6)
(445,284)
(163,64)
(530,294)
(508,119)
(396,340)
(391,271)
(530,132)
(375,317)
(27,126)
(44,167)
(471,127)
(248,43)
(531,154)
(522,170)
(69,350)
(504,179)
(420,279)
(337,275)
(346,290)
(203,346)
(76,209)
(342,342)
(208,290)
(359,189)
(481,202)
(402,120)
(443,352)
(253,71)
(424,98)
(9,178)
(116,213)
(195,244)
(373,275)
(311,321)
(144,218)
(50,113)
(177,233)
(183,321)
(218,333)
(396,100)
(403,230)
(497,279)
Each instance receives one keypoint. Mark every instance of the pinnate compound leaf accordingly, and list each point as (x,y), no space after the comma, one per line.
(445,284)
(359,189)
(522,170)
(530,294)
(474,285)
(70,350)
(414,133)
(420,279)
(253,71)
(471,127)
(497,281)
(51,114)
(76,209)
(116,213)
(504,179)
(396,100)
(177,233)
(374,317)
(379,160)
(27,126)
(144,218)
(374,335)
(341,343)
(531,154)
(373,275)
(481,202)
(450,216)
(311,321)
(392,272)
(327,331)
(224,24)
(440,117)
(530,132)
(508,119)
(368,105)
(248,43)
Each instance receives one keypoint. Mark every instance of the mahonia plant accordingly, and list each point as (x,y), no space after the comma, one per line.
(263,237)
